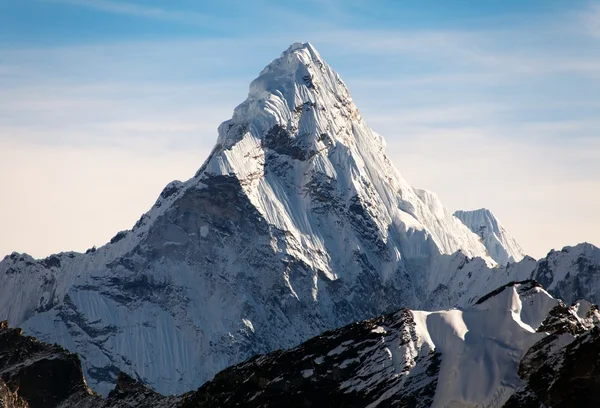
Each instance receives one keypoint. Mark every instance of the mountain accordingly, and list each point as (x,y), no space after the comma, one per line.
(296,223)
(517,347)
(502,247)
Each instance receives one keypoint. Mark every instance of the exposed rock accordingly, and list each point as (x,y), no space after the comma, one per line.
(35,374)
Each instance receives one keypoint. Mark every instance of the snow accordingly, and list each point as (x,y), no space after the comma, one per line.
(248,324)
(501,246)
(307,373)
(349,361)
(568,266)
(338,350)
(274,99)
(482,346)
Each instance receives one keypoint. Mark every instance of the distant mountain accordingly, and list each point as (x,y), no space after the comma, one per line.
(500,245)
(296,223)
(517,347)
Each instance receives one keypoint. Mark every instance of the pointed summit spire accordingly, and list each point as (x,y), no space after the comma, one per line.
(299,131)
(303,53)
(297,93)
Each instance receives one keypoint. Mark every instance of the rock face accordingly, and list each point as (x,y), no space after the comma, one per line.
(562,369)
(373,361)
(516,347)
(35,374)
(297,223)
(502,247)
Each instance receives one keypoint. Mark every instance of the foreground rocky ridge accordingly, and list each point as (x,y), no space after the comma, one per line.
(35,374)
(517,347)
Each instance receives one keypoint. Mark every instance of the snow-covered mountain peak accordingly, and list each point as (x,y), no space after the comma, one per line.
(298,106)
(501,246)
(299,53)
(297,103)
(299,131)
(299,72)
(571,273)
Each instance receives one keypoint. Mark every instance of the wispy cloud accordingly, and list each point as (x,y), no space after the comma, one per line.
(137,10)
(590,20)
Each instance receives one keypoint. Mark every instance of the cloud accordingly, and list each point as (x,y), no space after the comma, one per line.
(136,10)
(589,20)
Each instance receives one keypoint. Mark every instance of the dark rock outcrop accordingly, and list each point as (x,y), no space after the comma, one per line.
(567,378)
(36,374)
(340,368)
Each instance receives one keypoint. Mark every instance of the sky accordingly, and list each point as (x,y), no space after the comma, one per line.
(486,103)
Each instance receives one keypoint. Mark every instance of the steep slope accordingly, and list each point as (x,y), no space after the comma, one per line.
(407,359)
(562,370)
(296,223)
(567,377)
(39,375)
(502,247)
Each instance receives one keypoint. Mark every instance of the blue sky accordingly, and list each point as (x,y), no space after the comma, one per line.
(487,103)
(73,21)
